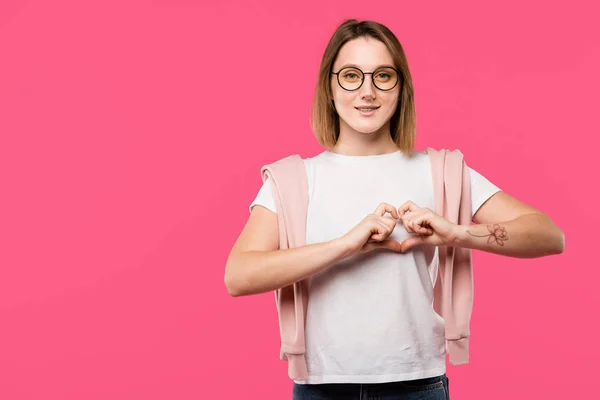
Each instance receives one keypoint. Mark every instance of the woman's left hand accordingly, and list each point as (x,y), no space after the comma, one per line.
(432,228)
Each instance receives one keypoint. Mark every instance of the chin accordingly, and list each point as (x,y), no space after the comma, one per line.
(367,129)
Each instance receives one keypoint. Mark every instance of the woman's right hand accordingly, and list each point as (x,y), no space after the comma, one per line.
(373,231)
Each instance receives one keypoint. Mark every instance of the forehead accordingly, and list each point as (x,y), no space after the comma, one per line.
(366,53)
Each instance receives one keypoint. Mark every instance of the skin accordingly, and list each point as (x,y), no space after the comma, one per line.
(504,225)
(361,135)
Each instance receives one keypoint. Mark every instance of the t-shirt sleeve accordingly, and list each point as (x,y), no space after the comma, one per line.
(265,197)
(481,190)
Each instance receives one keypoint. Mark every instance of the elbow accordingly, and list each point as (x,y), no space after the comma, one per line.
(230,289)
(233,282)
(232,286)
(556,238)
(556,244)
(561,243)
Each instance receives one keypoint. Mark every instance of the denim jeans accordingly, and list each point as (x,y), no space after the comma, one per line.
(434,388)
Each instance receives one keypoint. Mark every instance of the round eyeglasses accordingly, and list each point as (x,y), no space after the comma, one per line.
(352,78)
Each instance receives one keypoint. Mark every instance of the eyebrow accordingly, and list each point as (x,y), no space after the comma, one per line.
(356,66)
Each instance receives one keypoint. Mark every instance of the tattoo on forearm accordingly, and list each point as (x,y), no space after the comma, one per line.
(497,233)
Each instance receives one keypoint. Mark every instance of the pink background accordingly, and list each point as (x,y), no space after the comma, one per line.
(132,136)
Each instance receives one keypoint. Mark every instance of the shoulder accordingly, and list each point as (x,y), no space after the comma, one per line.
(434,151)
(285,163)
(286,168)
(442,157)
(296,159)
(288,159)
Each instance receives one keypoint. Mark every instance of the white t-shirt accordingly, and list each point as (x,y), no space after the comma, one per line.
(370,317)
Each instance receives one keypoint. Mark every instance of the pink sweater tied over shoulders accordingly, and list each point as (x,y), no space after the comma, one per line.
(453,288)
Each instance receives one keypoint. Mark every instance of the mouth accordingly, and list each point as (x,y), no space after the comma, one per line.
(366,111)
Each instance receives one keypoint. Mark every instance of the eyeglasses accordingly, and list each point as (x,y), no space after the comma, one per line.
(352,78)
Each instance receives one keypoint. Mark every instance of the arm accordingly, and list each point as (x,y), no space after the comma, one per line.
(508,227)
(257,265)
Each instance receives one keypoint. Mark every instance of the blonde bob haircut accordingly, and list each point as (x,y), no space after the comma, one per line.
(324,119)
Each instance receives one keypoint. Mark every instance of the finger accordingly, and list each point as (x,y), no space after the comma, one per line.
(382,230)
(417,228)
(408,225)
(383,207)
(387,226)
(407,206)
(388,222)
(422,223)
(414,220)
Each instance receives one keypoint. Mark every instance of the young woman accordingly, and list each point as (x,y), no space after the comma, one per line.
(371,331)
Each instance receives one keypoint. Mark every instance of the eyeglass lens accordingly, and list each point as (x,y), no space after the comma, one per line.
(384,78)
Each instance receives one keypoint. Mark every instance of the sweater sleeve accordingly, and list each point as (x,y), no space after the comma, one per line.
(265,197)
(481,190)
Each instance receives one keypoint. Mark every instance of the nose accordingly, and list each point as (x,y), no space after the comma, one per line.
(367,86)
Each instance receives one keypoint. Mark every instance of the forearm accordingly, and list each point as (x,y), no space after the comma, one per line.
(254,272)
(529,236)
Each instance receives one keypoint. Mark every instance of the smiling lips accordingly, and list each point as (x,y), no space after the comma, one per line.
(366,111)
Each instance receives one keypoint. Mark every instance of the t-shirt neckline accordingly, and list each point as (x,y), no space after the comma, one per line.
(368,158)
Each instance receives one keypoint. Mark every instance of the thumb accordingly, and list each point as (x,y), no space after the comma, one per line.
(391,244)
(388,244)
(411,242)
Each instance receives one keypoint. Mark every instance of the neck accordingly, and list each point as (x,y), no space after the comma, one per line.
(354,143)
